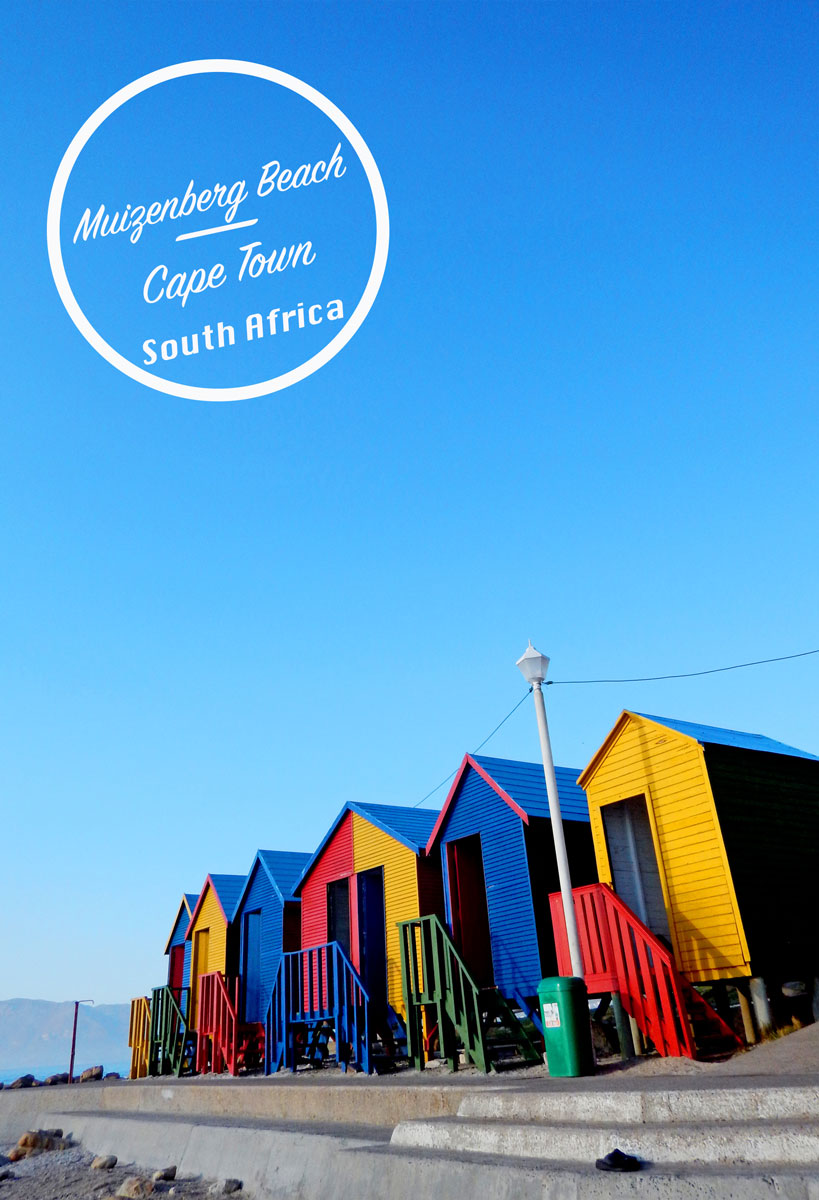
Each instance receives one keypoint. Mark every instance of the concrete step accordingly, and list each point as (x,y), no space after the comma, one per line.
(288,1160)
(700,1105)
(751,1142)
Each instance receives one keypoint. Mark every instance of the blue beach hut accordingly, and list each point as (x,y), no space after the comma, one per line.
(495,840)
(267,918)
(178,949)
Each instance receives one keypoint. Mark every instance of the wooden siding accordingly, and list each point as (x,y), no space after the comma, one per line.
(374,848)
(477,808)
(336,862)
(768,807)
(209,917)
(668,768)
(262,897)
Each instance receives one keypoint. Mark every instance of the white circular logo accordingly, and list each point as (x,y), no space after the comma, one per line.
(290,200)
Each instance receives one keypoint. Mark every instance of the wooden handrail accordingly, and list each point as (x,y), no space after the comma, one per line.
(169,1029)
(621,954)
(433,973)
(139,1036)
(218,1023)
(316,985)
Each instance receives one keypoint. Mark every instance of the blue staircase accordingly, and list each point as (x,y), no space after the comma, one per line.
(318,1010)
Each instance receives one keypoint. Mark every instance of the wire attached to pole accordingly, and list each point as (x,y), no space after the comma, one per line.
(759,662)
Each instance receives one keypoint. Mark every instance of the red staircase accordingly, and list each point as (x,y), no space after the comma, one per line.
(621,954)
(225,1041)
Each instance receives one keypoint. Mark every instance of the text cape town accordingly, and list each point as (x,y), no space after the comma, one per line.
(253,258)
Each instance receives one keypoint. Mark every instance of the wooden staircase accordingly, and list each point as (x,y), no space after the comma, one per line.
(139,1036)
(438,986)
(621,955)
(172,1043)
(318,1010)
(223,1040)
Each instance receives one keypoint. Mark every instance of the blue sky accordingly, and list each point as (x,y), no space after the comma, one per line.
(582,410)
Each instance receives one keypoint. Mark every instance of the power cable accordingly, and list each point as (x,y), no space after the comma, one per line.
(477,748)
(759,662)
(687,675)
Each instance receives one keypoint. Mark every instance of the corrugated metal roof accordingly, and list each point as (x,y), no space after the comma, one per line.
(412,826)
(285,868)
(191,898)
(524,782)
(228,889)
(712,735)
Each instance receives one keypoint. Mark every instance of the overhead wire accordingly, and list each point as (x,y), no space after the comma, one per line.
(759,662)
(687,674)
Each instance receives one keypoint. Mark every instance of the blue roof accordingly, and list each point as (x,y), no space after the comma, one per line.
(412,826)
(712,735)
(285,867)
(524,783)
(191,898)
(228,888)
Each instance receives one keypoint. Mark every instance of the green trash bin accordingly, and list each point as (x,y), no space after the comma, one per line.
(564,1010)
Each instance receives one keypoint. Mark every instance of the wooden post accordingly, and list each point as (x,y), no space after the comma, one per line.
(747,1013)
(623,1027)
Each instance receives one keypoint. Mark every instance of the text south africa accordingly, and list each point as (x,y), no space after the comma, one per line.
(256,326)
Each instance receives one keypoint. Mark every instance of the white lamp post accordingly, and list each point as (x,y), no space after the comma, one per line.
(534,667)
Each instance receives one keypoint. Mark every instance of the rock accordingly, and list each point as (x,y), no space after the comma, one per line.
(54,1133)
(166,1174)
(23,1081)
(113,1075)
(7,1174)
(104,1162)
(232,1185)
(133,1188)
(36,1139)
(51,1080)
(91,1075)
(17,1153)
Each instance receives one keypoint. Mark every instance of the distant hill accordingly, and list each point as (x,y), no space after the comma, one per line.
(36,1035)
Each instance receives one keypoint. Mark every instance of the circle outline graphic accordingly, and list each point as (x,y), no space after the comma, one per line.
(201,67)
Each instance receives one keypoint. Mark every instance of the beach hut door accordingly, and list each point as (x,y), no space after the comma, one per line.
(252,973)
(338,913)
(372,933)
(176,973)
(200,967)
(633,861)
(470,912)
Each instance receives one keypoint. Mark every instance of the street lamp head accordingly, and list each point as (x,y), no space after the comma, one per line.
(533,666)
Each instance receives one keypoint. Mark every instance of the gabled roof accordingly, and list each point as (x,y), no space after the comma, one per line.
(713,735)
(226,888)
(522,786)
(410,826)
(186,906)
(704,734)
(282,867)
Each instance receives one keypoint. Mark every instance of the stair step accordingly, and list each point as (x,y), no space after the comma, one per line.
(704,1105)
(755,1142)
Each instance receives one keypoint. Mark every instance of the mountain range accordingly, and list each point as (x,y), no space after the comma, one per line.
(35,1035)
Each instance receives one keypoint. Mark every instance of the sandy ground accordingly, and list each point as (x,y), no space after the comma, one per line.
(68,1175)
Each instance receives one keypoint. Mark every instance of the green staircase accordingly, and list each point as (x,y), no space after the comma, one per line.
(439,989)
(172,1045)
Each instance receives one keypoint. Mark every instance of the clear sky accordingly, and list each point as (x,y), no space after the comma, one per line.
(581,410)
